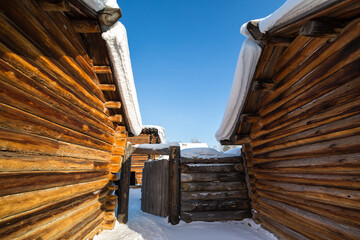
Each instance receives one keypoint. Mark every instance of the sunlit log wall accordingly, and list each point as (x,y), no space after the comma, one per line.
(138,160)
(56,141)
(303,157)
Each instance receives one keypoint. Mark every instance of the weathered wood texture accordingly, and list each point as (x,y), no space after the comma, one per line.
(155,188)
(147,136)
(124,187)
(174,186)
(213,190)
(58,149)
(303,160)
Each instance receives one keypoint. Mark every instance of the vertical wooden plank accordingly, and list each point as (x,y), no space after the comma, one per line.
(143,188)
(174,185)
(166,188)
(123,198)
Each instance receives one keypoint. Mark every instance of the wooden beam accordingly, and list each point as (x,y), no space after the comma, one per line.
(124,188)
(250,118)
(242,139)
(107,87)
(116,118)
(174,185)
(113,104)
(54,5)
(109,16)
(101,69)
(146,149)
(85,26)
(263,85)
(321,28)
(254,30)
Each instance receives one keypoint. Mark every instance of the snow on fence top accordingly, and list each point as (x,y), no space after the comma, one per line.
(249,56)
(207,153)
(160,130)
(117,44)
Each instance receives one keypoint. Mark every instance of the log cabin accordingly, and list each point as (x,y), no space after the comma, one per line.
(150,134)
(295,109)
(67,105)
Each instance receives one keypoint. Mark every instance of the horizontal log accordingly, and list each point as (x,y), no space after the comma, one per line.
(327,226)
(13,118)
(329,195)
(145,149)
(17,226)
(61,225)
(25,143)
(343,162)
(213,186)
(318,28)
(38,33)
(18,203)
(107,87)
(239,167)
(344,181)
(209,177)
(85,26)
(318,55)
(116,118)
(344,215)
(346,145)
(249,118)
(57,5)
(88,225)
(211,160)
(334,114)
(21,162)
(279,230)
(186,196)
(209,168)
(60,92)
(13,183)
(113,104)
(102,70)
(222,205)
(316,86)
(19,91)
(214,216)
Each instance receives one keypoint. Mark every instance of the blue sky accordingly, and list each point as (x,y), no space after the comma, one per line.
(184,54)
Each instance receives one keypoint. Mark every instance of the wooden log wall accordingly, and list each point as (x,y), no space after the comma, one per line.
(213,190)
(58,147)
(304,155)
(155,188)
(138,160)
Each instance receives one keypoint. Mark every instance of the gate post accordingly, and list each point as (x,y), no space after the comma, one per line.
(174,185)
(124,186)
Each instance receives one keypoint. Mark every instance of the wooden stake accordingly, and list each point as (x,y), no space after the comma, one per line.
(174,185)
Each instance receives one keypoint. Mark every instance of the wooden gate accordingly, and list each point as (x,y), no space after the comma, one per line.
(155,188)
(213,189)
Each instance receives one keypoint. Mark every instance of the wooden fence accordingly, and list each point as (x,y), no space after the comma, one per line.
(155,188)
(194,189)
(213,190)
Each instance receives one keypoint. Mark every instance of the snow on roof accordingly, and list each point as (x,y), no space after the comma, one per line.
(249,56)
(206,153)
(160,130)
(193,145)
(117,44)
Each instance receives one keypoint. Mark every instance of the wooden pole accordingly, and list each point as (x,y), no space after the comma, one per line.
(123,198)
(174,185)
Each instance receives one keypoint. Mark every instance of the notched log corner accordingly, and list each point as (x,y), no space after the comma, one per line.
(109,16)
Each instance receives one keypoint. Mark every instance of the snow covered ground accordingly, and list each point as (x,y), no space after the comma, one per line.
(145,226)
